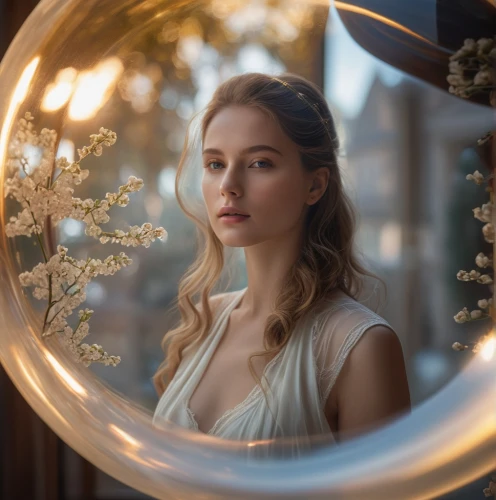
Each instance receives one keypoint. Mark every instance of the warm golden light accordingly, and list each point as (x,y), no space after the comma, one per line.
(66,377)
(16,100)
(124,435)
(33,384)
(58,94)
(383,19)
(488,349)
(67,149)
(94,88)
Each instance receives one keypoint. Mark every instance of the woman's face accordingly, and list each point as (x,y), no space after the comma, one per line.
(249,163)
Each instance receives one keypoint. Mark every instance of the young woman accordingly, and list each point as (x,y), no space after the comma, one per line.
(323,362)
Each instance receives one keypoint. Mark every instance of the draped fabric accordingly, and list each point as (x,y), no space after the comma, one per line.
(300,377)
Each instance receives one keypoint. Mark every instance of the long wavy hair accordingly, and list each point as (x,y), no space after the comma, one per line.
(328,259)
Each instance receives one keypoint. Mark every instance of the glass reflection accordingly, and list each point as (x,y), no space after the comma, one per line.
(408,225)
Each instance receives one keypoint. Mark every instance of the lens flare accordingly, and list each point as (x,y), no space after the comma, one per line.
(93,89)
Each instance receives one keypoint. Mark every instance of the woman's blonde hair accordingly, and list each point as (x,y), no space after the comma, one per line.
(328,260)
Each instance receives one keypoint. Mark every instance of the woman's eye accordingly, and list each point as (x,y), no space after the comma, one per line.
(213,163)
(264,164)
(267,164)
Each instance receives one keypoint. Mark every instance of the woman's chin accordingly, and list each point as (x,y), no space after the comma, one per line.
(234,242)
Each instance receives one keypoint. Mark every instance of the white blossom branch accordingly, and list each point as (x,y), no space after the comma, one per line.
(61,279)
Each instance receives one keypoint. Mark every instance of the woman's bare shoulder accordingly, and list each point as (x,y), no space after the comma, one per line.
(218,299)
(215,301)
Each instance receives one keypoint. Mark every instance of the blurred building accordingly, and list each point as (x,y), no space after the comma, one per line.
(407,154)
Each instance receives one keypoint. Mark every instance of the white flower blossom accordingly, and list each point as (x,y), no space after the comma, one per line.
(84,353)
(474,276)
(483,77)
(484,46)
(484,213)
(488,232)
(476,314)
(471,61)
(94,213)
(485,279)
(459,81)
(491,490)
(105,137)
(134,183)
(85,314)
(483,303)
(469,49)
(477,177)
(456,68)
(462,316)
(61,279)
(482,260)
(136,236)
(67,274)
(465,276)
(470,68)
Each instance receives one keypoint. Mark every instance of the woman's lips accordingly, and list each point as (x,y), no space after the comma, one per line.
(234,218)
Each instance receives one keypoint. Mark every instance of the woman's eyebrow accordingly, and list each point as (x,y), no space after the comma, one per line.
(251,149)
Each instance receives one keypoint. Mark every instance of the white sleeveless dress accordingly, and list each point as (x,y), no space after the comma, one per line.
(301,377)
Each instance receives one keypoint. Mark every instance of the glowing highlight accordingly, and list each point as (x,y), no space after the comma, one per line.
(16,100)
(383,19)
(94,88)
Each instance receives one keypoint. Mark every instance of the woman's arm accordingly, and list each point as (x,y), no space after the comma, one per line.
(372,387)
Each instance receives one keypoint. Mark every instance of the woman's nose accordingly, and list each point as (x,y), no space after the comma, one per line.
(231,183)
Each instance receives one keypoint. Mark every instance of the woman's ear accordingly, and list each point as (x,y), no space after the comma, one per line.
(319,185)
